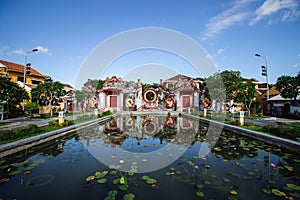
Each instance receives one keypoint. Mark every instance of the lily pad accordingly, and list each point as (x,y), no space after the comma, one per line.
(207,182)
(112,193)
(129,196)
(267,191)
(227,180)
(116,181)
(200,186)
(14,172)
(145,178)
(102,180)
(19,164)
(151,181)
(293,186)
(4,166)
(278,193)
(200,194)
(294,194)
(90,178)
(123,180)
(217,149)
(123,187)
(233,192)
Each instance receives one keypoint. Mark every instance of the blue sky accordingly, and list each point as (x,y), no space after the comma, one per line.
(231,32)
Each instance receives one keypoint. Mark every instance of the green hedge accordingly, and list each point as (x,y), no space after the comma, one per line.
(283,131)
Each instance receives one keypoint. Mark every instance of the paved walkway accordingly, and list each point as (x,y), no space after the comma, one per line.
(267,120)
(23,121)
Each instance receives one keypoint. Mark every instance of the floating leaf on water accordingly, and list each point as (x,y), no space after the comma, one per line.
(90,178)
(294,194)
(233,192)
(129,196)
(217,149)
(14,172)
(112,193)
(151,181)
(214,176)
(145,178)
(207,182)
(28,168)
(144,160)
(131,173)
(289,168)
(296,160)
(114,172)
(4,166)
(34,164)
(203,158)
(200,194)
(200,186)
(168,173)
(227,180)
(251,173)
(293,186)
(116,181)
(172,169)
(123,180)
(278,193)
(4,180)
(178,172)
(123,187)
(102,180)
(19,164)
(267,191)
(206,166)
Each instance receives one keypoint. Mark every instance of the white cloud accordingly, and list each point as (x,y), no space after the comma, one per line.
(297,65)
(17,52)
(270,7)
(219,51)
(43,50)
(225,19)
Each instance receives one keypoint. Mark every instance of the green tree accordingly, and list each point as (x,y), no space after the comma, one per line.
(215,87)
(243,93)
(230,78)
(288,86)
(12,93)
(81,95)
(51,90)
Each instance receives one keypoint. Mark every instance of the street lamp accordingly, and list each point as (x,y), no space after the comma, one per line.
(265,72)
(25,66)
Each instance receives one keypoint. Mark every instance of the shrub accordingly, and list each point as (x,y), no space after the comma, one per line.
(283,131)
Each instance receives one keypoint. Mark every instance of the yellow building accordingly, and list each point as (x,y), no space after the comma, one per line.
(16,73)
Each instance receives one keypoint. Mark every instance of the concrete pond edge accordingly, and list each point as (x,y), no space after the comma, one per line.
(266,138)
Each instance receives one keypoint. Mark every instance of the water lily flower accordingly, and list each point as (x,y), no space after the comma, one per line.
(196,167)
(273,165)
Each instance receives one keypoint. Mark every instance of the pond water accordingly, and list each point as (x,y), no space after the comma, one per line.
(150,158)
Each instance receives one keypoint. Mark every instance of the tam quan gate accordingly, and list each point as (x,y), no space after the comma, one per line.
(118,95)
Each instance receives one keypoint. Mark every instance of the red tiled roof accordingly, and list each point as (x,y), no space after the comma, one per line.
(68,86)
(177,77)
(30,85)
(19,68)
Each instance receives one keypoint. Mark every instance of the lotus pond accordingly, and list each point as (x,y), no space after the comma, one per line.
(147,157)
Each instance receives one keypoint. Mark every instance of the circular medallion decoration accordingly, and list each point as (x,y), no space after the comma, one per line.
(150,95)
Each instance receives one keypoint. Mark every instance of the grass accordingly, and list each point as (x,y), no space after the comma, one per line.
(295,123)
(4,123)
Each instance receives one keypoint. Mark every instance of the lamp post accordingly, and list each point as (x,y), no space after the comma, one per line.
(25,65)
(265,72)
